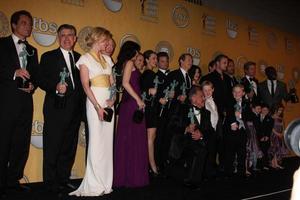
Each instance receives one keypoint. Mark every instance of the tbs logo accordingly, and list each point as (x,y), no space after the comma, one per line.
(44,33)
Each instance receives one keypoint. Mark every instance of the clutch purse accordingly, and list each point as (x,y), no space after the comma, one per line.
(138,116)
(108,117)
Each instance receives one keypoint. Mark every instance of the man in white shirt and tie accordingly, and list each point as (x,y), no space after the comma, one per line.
(62,110)
(272,91)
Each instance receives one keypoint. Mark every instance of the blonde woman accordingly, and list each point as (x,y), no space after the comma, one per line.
(96,78)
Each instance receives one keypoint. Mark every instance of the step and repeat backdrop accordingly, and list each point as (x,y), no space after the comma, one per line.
(173,26)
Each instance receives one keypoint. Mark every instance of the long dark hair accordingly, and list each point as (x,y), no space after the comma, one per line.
(127,52)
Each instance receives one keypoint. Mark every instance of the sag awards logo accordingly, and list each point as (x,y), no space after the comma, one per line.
(149,10)
(280,71)
(113,5)
(289,46)
(272,40)
(232,28)
(241,60)
(44,33)
(165,46)
(180,16)
(253,36)
(296,74)
(129,37)
(195,52)
(37,134)
(74,2)
(262,65)
(209,24)
(81,37)
(4,25)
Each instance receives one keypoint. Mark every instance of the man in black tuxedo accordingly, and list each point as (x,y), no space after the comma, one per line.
(230,71)
(18,67)
(162,73)
(235,135)
(223,98)
(192,138)
(272,91)
(62,110)
(250,82)
(178,101)
(181,77)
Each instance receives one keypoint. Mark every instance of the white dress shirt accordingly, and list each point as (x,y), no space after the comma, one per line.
(214,116)
(67,59)
(254,85)
(197,114)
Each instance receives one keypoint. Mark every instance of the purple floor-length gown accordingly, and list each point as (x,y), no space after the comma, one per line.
(131,150)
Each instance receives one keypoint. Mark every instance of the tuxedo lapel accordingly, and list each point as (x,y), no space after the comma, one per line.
(14,53)
(61,60)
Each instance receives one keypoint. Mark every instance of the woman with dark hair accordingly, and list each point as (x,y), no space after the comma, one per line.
(148,88)
(131,154)
(195,74)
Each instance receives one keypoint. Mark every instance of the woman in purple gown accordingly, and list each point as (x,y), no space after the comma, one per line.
(130,155)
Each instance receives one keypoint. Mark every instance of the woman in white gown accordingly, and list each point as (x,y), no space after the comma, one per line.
(96,77)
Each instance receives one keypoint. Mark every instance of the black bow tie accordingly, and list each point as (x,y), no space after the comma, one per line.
(251,79)
(167,71)
(22,42)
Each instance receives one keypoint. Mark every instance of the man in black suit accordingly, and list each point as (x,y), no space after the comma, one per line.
(162,73)
(192,138)
(178,101)
(272,91)
(230,71)
(18,66)
(223,97)
(62,110)
(250,82)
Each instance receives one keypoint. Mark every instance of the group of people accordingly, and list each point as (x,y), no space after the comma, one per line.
(209,122)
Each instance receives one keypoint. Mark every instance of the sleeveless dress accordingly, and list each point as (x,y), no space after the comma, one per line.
(98,176)
(277,147)
(131,150)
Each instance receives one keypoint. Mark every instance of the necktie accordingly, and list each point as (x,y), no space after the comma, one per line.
(272,88)
(72,65)
(167,71)
(187,81)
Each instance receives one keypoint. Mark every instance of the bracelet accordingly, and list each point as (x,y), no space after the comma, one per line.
(97,106)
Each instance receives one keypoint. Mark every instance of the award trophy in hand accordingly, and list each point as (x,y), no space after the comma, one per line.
(166,97)
(156,83)
(109,111)
(172,89)
(23,83)
(60,100)
(293,92)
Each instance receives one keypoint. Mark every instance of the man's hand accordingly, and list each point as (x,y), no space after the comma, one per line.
(61,88)
(22,73)
(163,101)
(190,128)
(182,98)
(29,89)
(197,135)
(234,126)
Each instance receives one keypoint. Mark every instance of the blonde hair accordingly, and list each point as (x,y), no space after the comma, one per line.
(96,34)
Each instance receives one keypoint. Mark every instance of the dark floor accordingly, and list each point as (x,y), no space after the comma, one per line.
(171,188)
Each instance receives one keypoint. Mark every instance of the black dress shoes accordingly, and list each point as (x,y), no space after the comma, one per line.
(191,185)
(2,193)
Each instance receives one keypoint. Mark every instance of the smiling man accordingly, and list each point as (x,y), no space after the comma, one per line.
(18,66)
(59,78)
